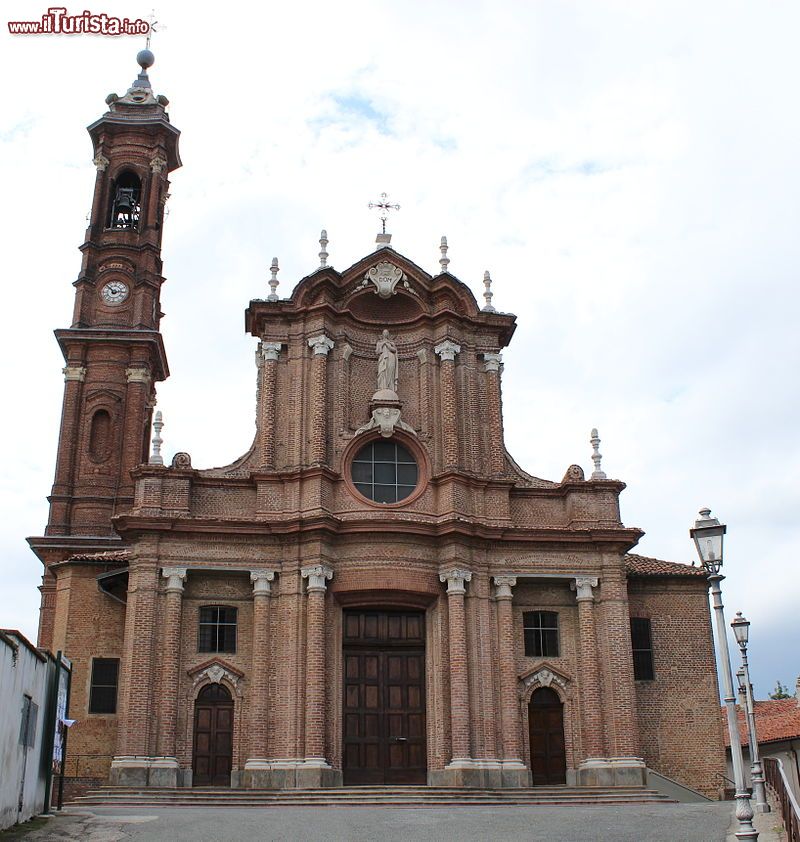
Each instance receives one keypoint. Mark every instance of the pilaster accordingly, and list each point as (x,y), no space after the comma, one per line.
(321,346)
(447,351)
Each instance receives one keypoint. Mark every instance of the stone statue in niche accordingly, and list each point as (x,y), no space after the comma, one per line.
(387,364)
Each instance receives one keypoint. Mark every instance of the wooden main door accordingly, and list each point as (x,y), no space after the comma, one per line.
(546,728)
(384,698)
(213,737)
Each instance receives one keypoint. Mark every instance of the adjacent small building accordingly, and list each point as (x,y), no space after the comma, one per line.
(26,679)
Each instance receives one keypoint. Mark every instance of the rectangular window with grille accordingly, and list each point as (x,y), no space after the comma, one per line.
(541,633)
(642,644)
(103,692)
(217,632)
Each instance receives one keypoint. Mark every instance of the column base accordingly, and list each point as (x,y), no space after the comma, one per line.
(136,771)
(612,771)
(311,773)
(481,774)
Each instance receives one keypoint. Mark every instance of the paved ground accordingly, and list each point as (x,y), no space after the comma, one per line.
(632,823)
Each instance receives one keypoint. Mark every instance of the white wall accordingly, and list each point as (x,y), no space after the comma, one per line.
(784,750)
(22,672)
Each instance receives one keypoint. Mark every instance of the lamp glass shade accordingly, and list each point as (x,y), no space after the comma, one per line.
(740,679)
(708,534)
(740,627)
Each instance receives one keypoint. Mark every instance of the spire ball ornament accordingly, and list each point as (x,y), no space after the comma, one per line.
(145,59)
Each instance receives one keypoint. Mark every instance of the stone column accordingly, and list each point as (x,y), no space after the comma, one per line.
(257,766)
(315,770)
(493,367)
(267,357)
(591,696)
(319,389)
(507,659)
(459,677)
(447,351)
(164,769)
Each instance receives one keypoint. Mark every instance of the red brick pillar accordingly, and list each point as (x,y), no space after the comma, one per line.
(259,666)
(591,696)
(459,676)
(137,397)
(74,377)
(507,658)
(134,712)
(267,357)
(321,346)
(497,456)
(170,664)
(447,351)
(315,662)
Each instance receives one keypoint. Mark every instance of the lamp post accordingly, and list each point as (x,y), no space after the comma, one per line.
(708,535)
(741,628)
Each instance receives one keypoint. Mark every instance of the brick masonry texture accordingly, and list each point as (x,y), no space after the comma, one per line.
(287,504)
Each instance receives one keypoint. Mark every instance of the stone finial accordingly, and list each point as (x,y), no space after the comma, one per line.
(444,260)
(323,249)
(447,350)
(158,425)
(488,294)
(273,281)
(597,457)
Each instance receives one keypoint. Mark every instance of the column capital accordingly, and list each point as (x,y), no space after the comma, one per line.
(74,372)
(321,344)
(447,350)
(261,581)
(582,585)
(456,578)
(503,585)
(175,577)
(137,375)
(492,362)
(316,574)
(269,351)
(101,162)
(157,163)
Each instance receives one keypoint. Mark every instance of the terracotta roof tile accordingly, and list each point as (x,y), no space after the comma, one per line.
(640,565)
(776,720)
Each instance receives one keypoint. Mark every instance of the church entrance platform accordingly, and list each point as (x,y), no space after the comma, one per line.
(418,796)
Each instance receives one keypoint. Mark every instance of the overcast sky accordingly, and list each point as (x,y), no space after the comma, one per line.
(626,170)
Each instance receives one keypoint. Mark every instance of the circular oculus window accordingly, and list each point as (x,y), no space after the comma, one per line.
(385,471)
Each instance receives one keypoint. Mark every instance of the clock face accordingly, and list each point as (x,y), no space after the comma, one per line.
(114,292)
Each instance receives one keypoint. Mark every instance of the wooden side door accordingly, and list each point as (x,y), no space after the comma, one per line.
(213,737)
(546,731)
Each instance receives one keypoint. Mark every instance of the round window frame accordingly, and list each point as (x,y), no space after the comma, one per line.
(411,444)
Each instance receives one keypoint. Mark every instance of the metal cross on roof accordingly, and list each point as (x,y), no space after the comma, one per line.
(384,206)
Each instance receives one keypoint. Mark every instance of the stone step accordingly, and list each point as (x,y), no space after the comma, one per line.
(366,796)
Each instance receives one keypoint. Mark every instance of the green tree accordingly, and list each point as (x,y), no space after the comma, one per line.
(780,692)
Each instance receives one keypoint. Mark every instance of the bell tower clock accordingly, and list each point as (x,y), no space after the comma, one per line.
(113,349)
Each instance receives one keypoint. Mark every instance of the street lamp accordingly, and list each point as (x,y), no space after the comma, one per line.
(708,535)
(741,628)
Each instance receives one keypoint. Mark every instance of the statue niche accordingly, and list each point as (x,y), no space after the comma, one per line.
(385,403)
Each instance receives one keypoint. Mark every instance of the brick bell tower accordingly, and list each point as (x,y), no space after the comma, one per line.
(113,349)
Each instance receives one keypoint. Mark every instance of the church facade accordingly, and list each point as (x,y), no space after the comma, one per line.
(375,593)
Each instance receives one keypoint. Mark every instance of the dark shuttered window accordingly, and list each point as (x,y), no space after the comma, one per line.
(541,633)
(103,692)
(642,644)
(217,631)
